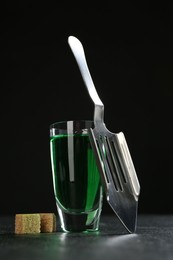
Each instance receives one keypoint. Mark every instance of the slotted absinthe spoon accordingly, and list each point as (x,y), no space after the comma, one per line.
(111,152)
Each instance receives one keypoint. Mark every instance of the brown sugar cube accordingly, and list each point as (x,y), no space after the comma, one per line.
(48,222)
(27,223)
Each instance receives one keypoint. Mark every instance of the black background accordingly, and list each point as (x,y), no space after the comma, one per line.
(129,49)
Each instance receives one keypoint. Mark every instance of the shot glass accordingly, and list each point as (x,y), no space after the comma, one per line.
(76,180)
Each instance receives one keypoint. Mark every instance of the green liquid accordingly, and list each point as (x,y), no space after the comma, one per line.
(76,178)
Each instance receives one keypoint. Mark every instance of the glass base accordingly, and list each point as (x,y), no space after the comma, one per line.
(87,221)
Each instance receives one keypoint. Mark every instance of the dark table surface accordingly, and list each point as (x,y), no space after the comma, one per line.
(153,240)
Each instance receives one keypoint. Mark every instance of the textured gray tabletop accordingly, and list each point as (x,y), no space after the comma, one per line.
(153,240)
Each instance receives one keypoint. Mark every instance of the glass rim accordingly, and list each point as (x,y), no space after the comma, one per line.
(53,125)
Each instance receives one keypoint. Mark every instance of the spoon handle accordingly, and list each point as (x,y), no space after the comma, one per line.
(79,55)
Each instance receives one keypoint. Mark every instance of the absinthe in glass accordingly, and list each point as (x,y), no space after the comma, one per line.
(75,175)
